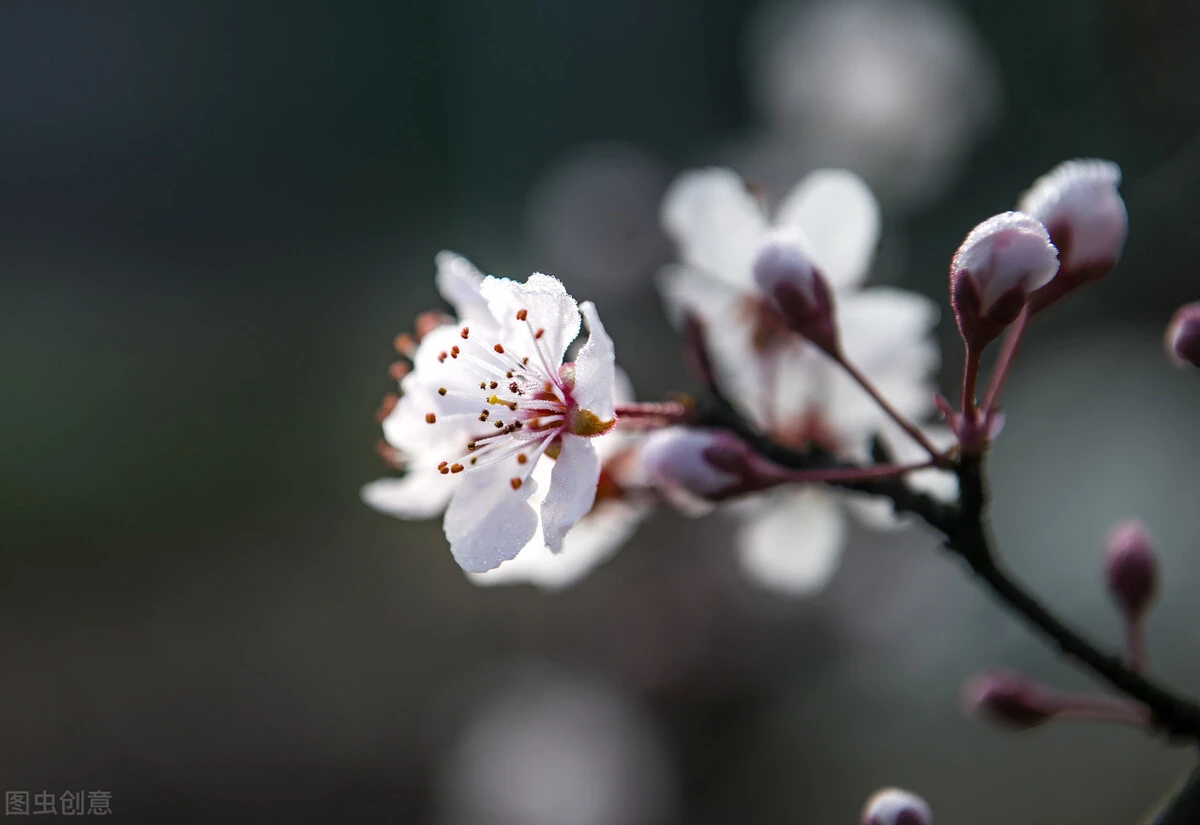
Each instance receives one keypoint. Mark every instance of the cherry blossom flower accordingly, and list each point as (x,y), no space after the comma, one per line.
(791,539)
(487,398)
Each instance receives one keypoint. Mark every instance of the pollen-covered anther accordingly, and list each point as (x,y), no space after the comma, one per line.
(522,314)
(442,356)
(537,336)
(492,384)
(466,332)
(456,468)
(483,416)
(444,468)
(441,390)
(454,351)
(499,348)
(522,458)
(430,418)
(515,482)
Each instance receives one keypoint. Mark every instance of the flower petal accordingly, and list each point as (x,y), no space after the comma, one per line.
(572,489)
(794,542)
(487,521)
(459,282)
(547,307)
(421,493)
(716,223)
(595,368)
(839,215)
(593,541)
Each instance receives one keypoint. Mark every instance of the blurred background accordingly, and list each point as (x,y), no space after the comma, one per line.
(213,220)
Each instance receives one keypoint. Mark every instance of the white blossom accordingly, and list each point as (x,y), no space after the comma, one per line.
(1079,203)
(1008,253)
(487,398)
(790,539)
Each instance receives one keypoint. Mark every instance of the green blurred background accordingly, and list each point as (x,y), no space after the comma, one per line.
(214,218)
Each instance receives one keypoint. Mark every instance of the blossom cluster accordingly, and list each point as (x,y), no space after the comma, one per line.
(544,463)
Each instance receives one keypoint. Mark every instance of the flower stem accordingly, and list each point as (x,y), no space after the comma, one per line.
(652,415)
(1012,345)
(970,381)
(914,432)
(848,474)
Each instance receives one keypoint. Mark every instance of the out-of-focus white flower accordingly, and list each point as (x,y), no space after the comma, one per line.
(998,266)
(898,90)
(1079,203)
(487,398)
(549,748)
(790,540)
(893,806)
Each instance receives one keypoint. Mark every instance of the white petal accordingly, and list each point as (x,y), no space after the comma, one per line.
(548,307)
(793,544)
(419,494)
(595,368)
(1081,196)
(572,489)
(836,211)
(875,512)
(593,541)
(487,521)
(459,282)
(716,223)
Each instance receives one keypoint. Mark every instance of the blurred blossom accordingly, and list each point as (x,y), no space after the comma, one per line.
(550,748)
(791,540)
(897,91)
(591,218)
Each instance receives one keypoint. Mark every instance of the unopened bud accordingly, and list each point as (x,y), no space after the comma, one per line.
(999,264)
(893,806)
(1079,204)
(795,288)
(1183,335)
(1131,568)
(710,465)
(1010,699)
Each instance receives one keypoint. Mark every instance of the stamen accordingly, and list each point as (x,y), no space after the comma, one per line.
(404,344)
(515,482)
(430,418)
(386,406)
(399,369)
(541,331)
(522,314)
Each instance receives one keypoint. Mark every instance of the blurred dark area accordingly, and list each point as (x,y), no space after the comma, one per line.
(215,217)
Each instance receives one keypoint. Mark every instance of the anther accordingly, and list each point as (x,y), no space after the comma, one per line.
(483,416)
(499,425)
(441,390)
(515,482)
(522,314)
(522,458)
(537,335)
(444,467)
(491,385)
(454,351)
(442,357)
(507,375)
(430,418)
(499,348)
(513,387)
(466,331)
(456,468)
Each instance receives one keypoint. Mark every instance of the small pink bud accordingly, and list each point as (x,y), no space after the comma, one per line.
(710,465)
(1131,568)
(1001,262)
(1079,204)
(1009,699)
(1183,335)
(795,288)
(893,806)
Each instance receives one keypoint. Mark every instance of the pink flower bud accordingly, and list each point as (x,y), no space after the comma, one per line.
(1131,568)
(1079,204)
(1009,699)
(1183,335)
(708,464)
(893,806)
(795,288)
(1001,262)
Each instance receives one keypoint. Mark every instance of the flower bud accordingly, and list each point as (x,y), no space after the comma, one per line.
(1131,568)
(1009,699)
(709,465)
(796,290)
(1001,262)
(1183,335)
(893,806)
(1080,206)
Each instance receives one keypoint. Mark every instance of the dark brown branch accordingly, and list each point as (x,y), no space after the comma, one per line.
(964,527)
